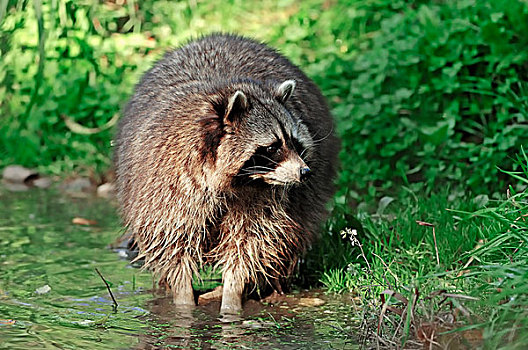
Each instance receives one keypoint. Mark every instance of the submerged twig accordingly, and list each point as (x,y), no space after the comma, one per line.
(114,307)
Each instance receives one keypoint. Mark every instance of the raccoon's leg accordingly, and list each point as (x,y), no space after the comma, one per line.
(179,278)
(183,291)
(232,292)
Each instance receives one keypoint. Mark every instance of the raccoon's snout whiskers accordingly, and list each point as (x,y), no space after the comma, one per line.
(269,159)
(254,170)
(250,173)
(318,141)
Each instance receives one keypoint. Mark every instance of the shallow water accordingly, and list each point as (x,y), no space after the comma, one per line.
(52,298)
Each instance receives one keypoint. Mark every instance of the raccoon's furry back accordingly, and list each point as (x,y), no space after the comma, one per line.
(178,162)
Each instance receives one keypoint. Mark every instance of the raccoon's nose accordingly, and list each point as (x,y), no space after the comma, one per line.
(305,173)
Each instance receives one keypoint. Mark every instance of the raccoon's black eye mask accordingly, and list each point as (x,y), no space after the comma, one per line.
(264,160)
(266,157)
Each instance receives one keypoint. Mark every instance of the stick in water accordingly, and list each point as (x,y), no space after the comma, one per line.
(114,307)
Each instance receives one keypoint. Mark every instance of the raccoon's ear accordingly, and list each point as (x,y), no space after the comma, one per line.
(236,104)
(285,90)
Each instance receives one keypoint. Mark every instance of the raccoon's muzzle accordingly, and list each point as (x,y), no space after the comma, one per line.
(292,170)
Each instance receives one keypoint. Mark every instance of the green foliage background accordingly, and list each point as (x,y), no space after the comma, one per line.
(424,92)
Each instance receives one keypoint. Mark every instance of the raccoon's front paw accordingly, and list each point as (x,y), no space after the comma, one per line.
(214,295)
(231,306)
(183,295)
(232,294)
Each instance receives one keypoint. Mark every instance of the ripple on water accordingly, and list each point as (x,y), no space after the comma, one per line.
(40,246)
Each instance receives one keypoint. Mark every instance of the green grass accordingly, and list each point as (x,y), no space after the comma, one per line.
(475,276)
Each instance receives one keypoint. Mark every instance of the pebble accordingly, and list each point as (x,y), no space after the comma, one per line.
(42,182)
(106,190)
(43,290)
(311,302)
(81,184)
(17,174)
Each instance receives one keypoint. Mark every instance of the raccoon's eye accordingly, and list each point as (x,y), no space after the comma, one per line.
(273,148)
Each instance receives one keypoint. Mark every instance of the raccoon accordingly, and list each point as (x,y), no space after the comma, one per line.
(226,155)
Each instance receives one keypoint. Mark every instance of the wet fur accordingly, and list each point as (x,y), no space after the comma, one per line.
(178,157)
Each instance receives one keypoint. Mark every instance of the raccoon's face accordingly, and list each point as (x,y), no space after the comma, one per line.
(278,145)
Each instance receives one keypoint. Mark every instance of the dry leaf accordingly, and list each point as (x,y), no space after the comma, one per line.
(311,302)
(83,221)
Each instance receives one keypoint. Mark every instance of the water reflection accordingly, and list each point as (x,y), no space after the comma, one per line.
(40,246)
(285,323)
